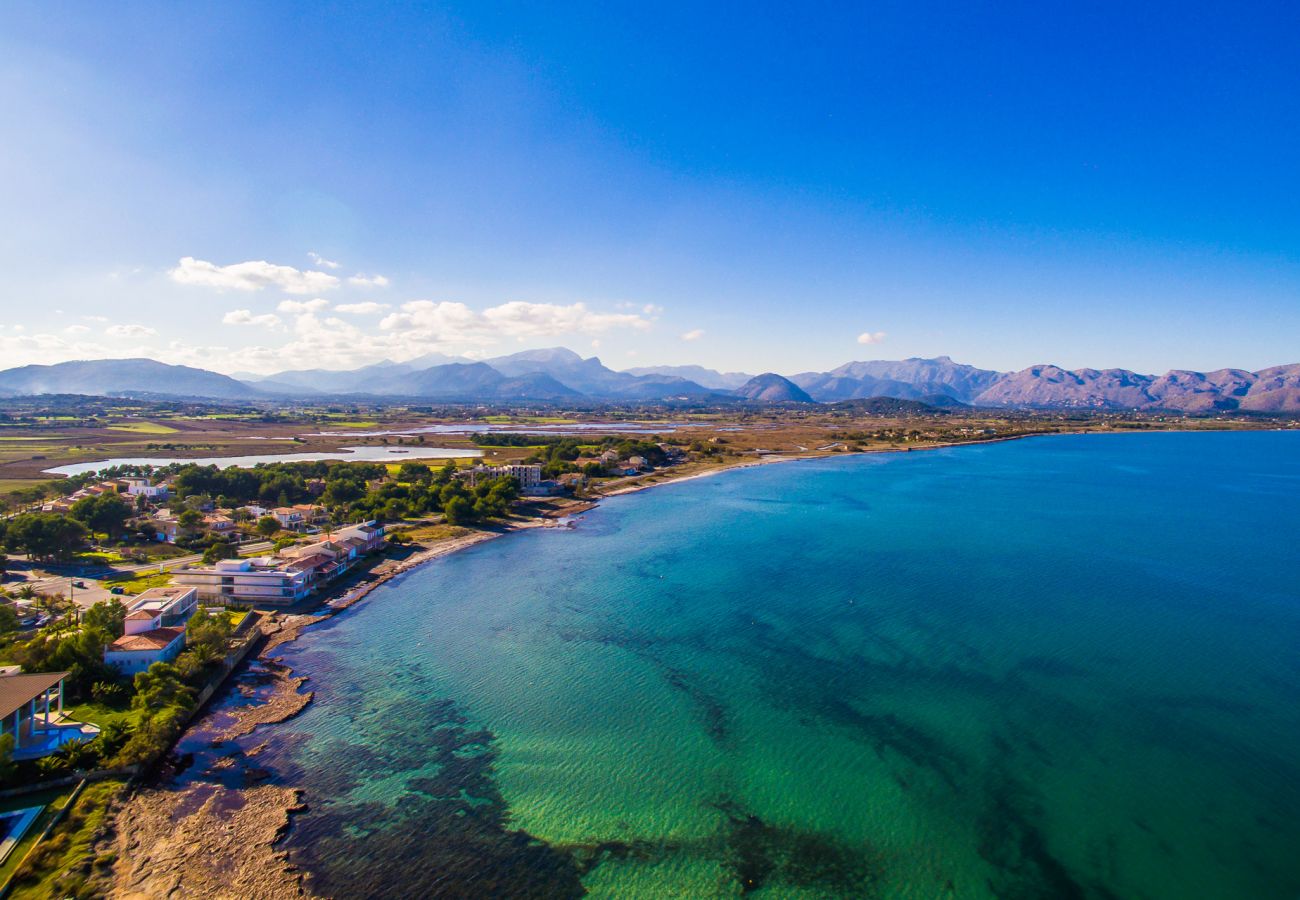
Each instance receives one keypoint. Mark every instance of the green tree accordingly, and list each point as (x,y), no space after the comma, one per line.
(458,510)
(268,525)
(414,473)
(160,686)
(107,615)
(210,629)
(219,550)
(46,536)
(189,519)
(103,513)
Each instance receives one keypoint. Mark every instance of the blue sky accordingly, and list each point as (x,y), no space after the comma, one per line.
(762,188)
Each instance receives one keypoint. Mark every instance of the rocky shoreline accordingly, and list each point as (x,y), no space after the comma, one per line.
(196,836)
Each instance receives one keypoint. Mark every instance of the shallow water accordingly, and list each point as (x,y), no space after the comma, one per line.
(1059,667)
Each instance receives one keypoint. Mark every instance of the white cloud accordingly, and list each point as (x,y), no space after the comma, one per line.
(448,322)
(303,306)
(103,320)
(76,329)
(520,319)
(130,331)
(361,279)
(693,335)
(321,261)
(253,275)
(871,337)
(651,309)
(246,317)
(367,308)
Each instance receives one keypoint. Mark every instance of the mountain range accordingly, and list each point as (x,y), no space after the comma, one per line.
(560,375)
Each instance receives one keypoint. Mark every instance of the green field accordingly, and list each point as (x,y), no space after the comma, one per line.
(144,428)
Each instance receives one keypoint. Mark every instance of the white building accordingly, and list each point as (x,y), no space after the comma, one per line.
(155,629)
(171,605)
(528,476)
(265,580)
(143,487)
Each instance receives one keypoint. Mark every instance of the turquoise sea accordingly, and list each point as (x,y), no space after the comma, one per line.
(1057,667)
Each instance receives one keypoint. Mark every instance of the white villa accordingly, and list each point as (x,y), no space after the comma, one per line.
(155,629)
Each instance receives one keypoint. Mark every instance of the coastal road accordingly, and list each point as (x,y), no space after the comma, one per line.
(96,590)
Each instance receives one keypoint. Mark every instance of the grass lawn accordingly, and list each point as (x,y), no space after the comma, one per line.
(67,847)
(102,714)
(353,424)
(53,801)
(135,583)
(144,428)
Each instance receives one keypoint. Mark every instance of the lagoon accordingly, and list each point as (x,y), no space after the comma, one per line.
(1056,667)
(345,454)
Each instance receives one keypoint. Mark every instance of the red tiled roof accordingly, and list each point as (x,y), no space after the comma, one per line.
(157,639)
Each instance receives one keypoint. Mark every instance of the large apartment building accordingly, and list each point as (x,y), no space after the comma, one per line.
(265,580)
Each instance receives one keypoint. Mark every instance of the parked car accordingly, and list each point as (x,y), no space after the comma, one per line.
(117,590)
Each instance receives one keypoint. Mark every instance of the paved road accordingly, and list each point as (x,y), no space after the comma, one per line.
(96,590)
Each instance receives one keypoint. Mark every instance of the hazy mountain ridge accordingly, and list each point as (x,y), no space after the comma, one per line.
(558,374)
(102,377)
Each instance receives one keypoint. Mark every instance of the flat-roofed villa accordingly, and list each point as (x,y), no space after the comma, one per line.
(31,709)
(266,580)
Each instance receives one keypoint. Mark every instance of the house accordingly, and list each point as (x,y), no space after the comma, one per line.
(265,580)
(369,534)
(167,530)
(312,514)
(639,463)
(609,457)
(289,517)
(31,709)
(154,629)
(134,653)
(218,524)
(143,487)
(172,605)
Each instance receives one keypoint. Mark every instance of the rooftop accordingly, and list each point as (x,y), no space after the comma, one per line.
(15,690)
(157,639)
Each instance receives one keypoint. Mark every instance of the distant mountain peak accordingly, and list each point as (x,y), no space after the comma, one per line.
(773,388)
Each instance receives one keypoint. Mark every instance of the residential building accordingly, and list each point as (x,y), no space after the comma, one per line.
(264,580)
(312,514)
(172,605)
(290,518)
(31,709)
(218,524)
(370,534)
(154,629)
(528,476)
(143,487)
(135,652)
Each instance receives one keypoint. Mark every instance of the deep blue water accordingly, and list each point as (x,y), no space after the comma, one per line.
(1046,668)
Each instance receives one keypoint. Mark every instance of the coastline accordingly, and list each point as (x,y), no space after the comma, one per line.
(150,862)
